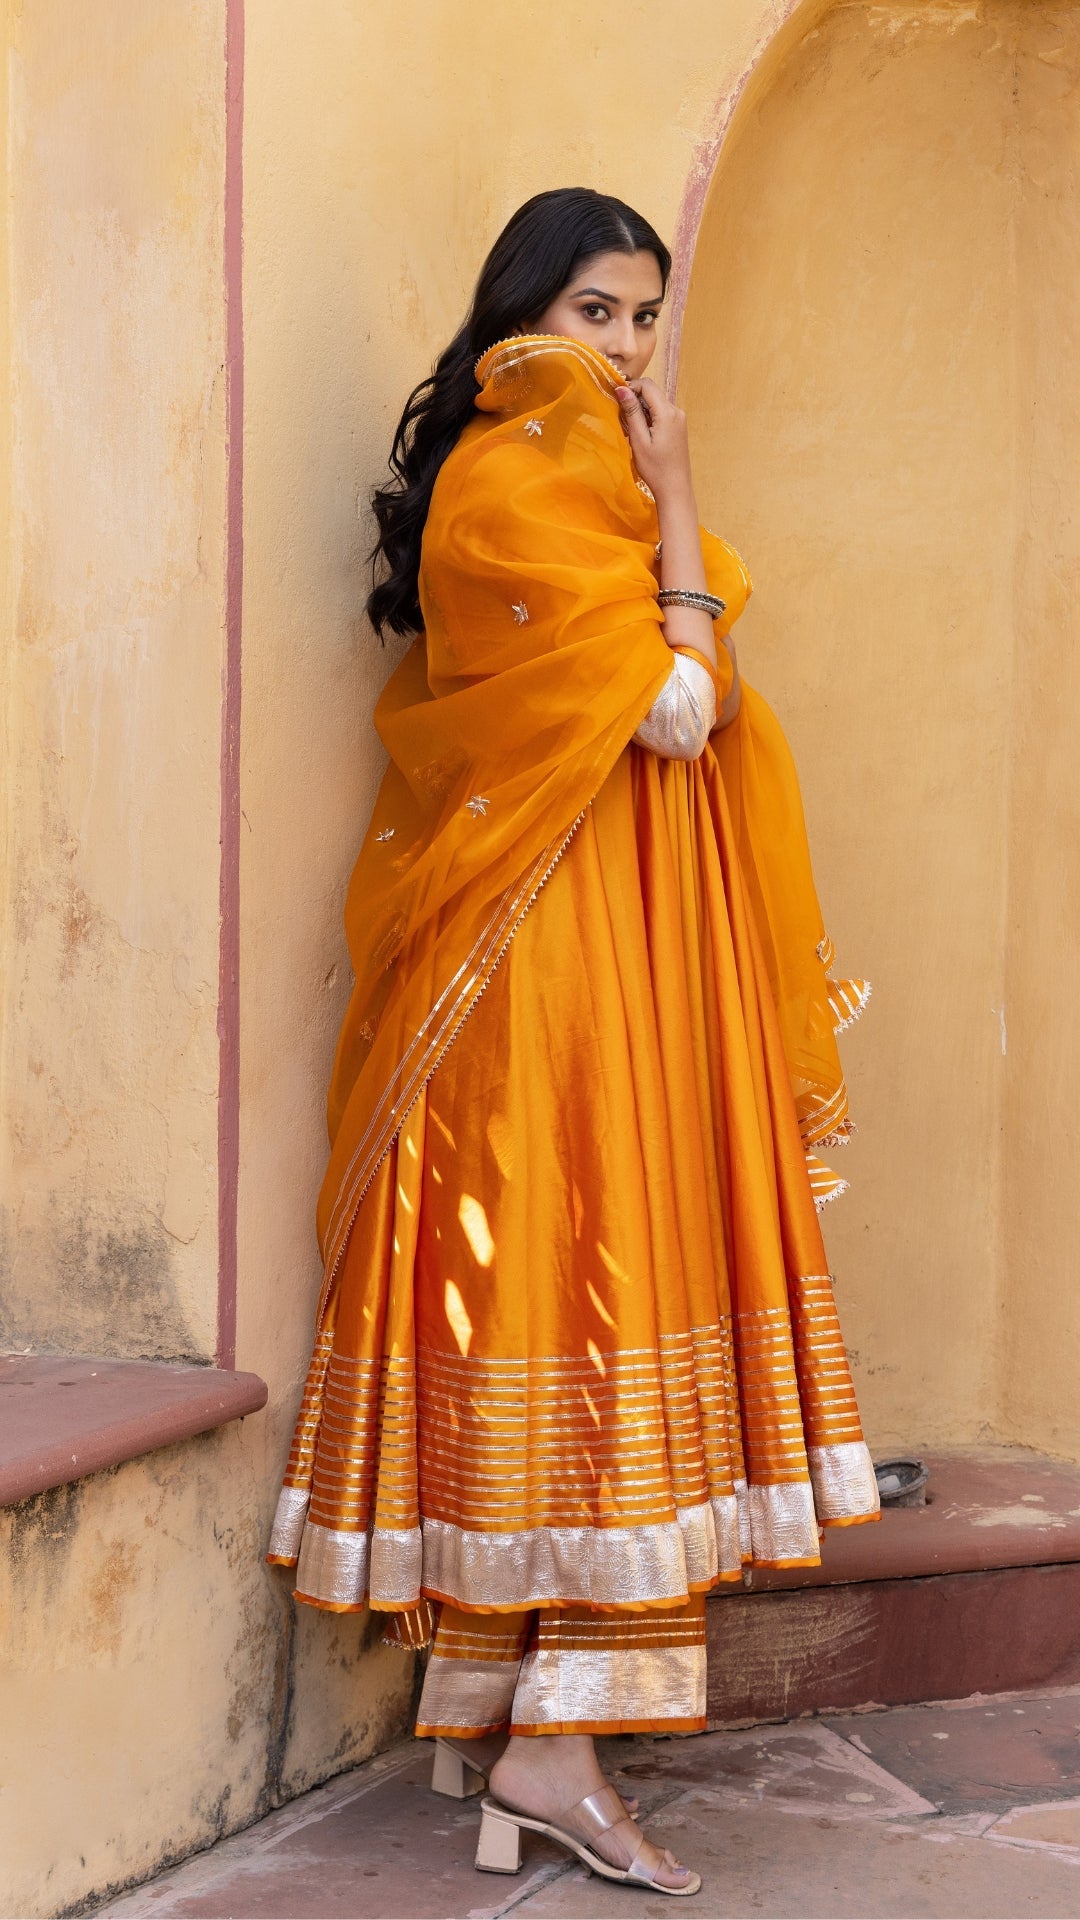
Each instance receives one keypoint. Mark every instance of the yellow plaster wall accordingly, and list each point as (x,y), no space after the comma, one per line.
(157,1685)
(108,1106)
(149,1685)
(879,363)
(8,728)
(1041,1139)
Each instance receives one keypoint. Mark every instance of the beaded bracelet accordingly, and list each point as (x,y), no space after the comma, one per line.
(709,603)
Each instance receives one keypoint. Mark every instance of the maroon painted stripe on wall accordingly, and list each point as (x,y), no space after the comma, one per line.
(229,871)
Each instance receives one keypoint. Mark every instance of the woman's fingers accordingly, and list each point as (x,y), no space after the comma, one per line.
(638,387)
(634,418)
(653,399)
(656,430)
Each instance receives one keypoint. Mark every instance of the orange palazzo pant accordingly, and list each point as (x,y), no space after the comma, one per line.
(566,1671)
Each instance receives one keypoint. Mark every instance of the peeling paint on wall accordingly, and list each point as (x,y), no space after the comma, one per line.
(145,1639)
(112,1290)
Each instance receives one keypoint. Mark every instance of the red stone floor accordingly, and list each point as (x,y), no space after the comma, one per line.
(967,1808)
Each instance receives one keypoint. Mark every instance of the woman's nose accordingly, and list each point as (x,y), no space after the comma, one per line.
(624,345)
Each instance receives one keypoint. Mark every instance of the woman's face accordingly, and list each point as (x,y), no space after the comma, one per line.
(611,304)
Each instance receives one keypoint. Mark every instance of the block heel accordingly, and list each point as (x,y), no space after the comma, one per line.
(498,1848)
(452,1775)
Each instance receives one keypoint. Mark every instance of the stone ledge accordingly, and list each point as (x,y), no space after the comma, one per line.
(986,1508)
(64,1417)
(776,1656)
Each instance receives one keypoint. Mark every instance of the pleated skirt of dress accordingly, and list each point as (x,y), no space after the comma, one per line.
(582,1348)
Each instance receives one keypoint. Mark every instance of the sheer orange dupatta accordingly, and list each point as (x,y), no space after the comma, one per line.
(543,650)
(763,794)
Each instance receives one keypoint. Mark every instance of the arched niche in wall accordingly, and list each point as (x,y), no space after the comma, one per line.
(879,359)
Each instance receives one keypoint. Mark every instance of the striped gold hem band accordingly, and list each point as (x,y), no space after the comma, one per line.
(765,1525)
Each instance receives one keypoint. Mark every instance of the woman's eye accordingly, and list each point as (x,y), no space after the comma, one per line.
(645,320)
(594,312)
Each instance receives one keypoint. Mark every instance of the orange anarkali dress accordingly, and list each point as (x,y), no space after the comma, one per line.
(576,1350)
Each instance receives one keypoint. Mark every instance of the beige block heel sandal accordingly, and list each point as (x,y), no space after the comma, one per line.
(498,1849)
(459,1778)
(451,1773)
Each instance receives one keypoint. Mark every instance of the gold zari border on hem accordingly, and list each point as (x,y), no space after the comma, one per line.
(845,1485)
(574,1668)
(590,1566)
(588,1686)
(472,1694)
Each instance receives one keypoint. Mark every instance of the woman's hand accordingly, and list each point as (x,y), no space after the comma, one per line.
(658,438)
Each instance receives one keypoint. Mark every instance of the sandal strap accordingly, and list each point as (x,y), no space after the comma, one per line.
(646,1863)
(597,1812)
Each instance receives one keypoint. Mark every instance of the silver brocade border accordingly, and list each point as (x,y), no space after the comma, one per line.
(597,1566)
(562,1686)
(843,1480)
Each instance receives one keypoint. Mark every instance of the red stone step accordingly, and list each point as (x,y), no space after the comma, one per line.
(64,1416)
(977,1592)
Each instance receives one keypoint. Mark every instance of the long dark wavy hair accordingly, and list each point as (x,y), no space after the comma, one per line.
(536,255)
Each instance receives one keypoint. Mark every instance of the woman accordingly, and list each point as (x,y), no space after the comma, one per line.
(577,1359)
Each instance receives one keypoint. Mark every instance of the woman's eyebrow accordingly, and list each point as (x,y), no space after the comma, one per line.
(613,299)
